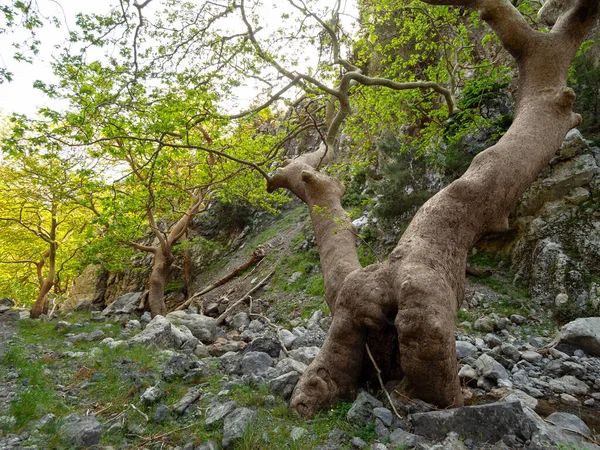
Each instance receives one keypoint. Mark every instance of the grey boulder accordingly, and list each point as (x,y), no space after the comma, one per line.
(202,327)
(80,431)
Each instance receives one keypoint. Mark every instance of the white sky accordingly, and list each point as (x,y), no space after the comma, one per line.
(19,96)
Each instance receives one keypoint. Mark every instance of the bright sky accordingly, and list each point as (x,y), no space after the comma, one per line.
(19,95)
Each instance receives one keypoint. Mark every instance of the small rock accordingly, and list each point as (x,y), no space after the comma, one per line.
(287,337)
(569,385)
(531,356)
(62,325)
(241,320)
(236,424)
(359,443)
(216,412)
(161,413)
(294,277)
(202,327)
(298,433)
(305,355)
(569,422)
(361,411)
(265,344)
(151,395)
(189,398)
(255,363)
(82,431)
(485,324)
(467,373)
(465,349)
(490,368)
(569,399)
(385,415)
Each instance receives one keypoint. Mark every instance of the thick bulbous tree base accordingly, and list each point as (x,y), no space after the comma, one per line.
(426,352)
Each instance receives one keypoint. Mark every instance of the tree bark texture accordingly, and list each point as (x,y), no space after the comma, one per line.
(414,296)
(161,269)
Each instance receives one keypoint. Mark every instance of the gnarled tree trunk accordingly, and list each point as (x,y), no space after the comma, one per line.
(417,292)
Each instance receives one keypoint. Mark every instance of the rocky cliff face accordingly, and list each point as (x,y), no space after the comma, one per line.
(557,249)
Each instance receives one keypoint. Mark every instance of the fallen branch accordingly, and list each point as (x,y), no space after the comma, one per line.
(222,317)
(257,256)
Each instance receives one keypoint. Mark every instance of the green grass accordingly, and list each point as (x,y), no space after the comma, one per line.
(37,395)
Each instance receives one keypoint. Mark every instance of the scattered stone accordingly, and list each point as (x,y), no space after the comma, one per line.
(569,399)
(485,324)
(490,368)
(401,439)
(488,423)
(523,398)
(569,385)
(287,337)
(210,445)
(314,337)
(157,333)
(255,363)
(583,334)
(161,413)
(492,340)
(531,356)
(178,366)
(230,362)
(305,355)
(240,320)
(124,305)
(467,373)
(216,412)
(518,319)
(298,433)
(465,349)
(385,415)
(151,395)
(62,325)
(81,431)
(284,385)
(294,277)
(202,327)
(361,411)
(265,344)
(359,443)
(235,425)
(189,398)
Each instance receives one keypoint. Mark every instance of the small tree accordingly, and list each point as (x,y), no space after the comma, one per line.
(43,225)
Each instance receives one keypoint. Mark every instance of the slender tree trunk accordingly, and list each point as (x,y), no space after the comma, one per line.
(161,269)
(417,292)
(41,304)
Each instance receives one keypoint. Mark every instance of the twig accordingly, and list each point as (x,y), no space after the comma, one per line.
(387,394)
(241,300)
(148,439)
(135,408)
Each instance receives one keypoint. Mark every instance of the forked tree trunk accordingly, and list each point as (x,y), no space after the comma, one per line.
(417,292)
